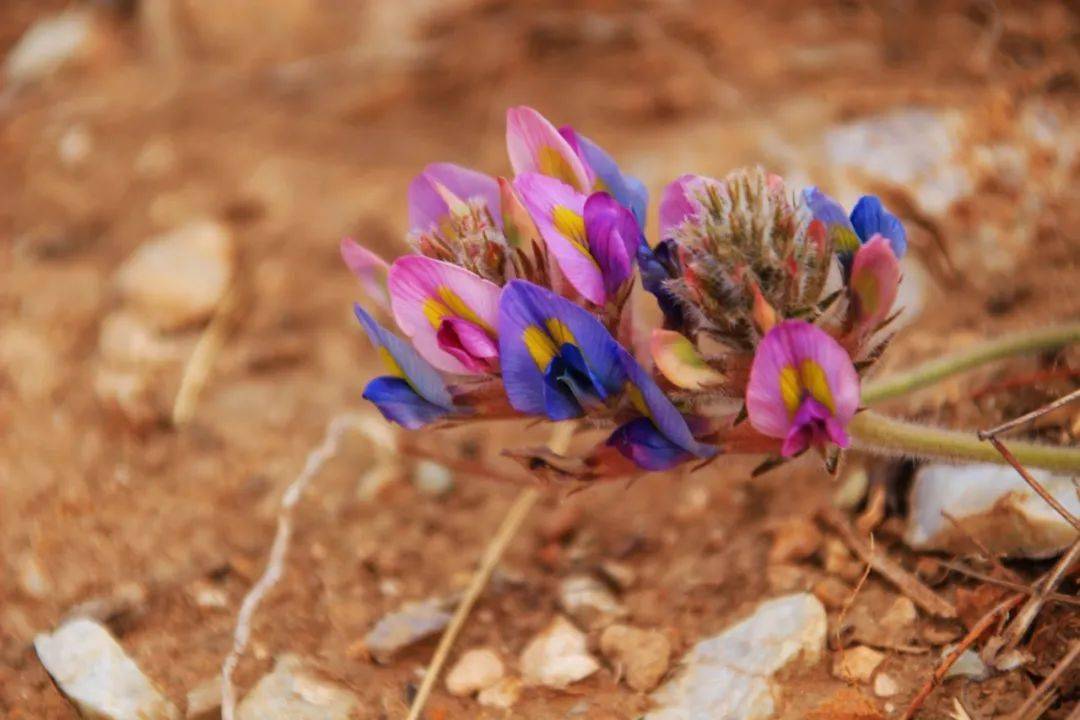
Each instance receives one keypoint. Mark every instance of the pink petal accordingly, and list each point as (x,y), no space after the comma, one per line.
(428,201)
(369,269)
(535,146)
(423,290)
(875,280)
(554,206)
(786,346)
(518,226)
(469,344)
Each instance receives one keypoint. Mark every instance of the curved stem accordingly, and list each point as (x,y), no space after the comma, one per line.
(929,373)
(889,436)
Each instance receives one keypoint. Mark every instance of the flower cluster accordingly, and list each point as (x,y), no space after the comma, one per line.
(514,303)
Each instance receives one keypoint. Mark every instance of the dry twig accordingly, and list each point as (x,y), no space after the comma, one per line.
(1048,682)
(515,516)
(197,369)
(949,660)
(1033,415)
(1035,484)
(1011,585)
(910,585)
(275,566)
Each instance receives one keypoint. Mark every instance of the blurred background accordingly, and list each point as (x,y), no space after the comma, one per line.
(175,176)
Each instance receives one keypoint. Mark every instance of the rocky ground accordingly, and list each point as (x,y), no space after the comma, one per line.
(175,334)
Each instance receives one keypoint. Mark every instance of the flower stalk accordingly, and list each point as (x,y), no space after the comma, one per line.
(883,435)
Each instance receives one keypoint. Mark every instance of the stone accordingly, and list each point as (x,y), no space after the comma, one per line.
(885,686)
(414,622)
(730,675)
(642,656)
(32,577)
(839,561)
(96,675)
(968,665)
(857,664)
(177,279)
(619,574)
(587,600)
(292,692)
(995,505)
(794,540)
(475,671)
(502,695)
(557,657)
(432,479)
(900,615)
(48,45)
(204,700)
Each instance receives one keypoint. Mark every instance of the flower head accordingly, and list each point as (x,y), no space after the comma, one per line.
(803,388)
(868,218)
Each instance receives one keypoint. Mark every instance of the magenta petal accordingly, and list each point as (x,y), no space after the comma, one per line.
(559,213)
(815,366)
(675,206)
(614,236)
(535,146)
(428,207)
(469,344)
(369,269)
(426,292)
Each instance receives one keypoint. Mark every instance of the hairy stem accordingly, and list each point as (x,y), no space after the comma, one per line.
(884,435)
(1027,343)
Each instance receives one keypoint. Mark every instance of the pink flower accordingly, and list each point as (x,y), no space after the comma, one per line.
(803,388)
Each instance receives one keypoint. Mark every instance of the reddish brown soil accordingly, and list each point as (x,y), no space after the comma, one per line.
(292,162)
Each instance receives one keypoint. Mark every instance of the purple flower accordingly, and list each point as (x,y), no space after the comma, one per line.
(593,238)
(559,361)
(868,218)
(441,187)
(448,312)
(412,394)
(803,388)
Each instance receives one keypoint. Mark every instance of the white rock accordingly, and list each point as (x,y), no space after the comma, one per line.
(291,692)
(729,676)
(94,673)
(857,664)
(501,695)
(433,479)
(177,279)
(885,686)
(412,623)
(558,656)
(589,601)
(968,665)
(995,505)
(204,700)
(476,670)
(48,45)
(32,577)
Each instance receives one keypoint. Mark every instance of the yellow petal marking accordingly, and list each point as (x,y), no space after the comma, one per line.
(571,225)
(790,389)
(808,379)
(391,364)
(449,304)
(543,346)
(552,163)
(637,399)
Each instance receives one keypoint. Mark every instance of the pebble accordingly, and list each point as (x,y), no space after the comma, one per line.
(794,540)
(557,657)
(900,615)
(838,560)
(885,686)
(31,576)
(475,671)
(48,45)
(619,574)
(730,675)
(177,279)
(587,600)
(995,505)
(642,656)
(96,675)
(502,695)
(857,664)
(415,621)
(968,665)
(291,692)
(204,700)
(433,479)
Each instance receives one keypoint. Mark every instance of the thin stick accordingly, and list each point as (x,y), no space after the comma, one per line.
(1018,587)
(1013,634)
(1035,484)
(910,585)
(850,600)
(1034,414)
(936,370)
(949,660)
(275,565)
(197,369)
(515,516)
(989,556)
(1048,682)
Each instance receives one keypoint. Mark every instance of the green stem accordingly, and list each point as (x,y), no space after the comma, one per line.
(884,435)
(929,373)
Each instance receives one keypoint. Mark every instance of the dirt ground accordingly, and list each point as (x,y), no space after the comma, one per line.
(299,122)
